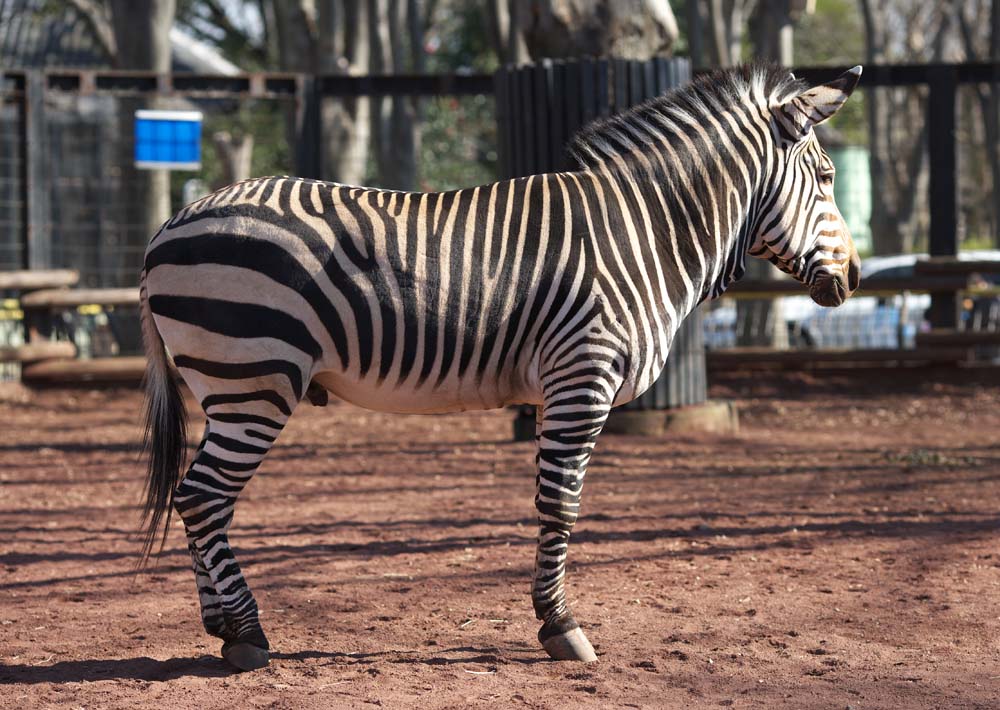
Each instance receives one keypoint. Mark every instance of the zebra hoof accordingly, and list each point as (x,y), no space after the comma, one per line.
(245,656)
(570,646)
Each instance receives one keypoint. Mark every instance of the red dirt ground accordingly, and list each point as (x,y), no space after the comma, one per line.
(840,552)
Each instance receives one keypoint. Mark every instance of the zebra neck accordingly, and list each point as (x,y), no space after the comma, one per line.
(701,227)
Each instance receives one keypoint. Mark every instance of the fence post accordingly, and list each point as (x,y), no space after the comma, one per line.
(942,103)
(308,128)
(37,247)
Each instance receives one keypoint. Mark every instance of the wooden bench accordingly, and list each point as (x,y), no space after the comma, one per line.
(757,358)
(946,337)
(43,293)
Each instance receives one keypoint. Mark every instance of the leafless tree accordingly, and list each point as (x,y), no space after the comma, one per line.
(505,35)
(396,37)
(135,34)
(900,30)
(982,41)
(634,29)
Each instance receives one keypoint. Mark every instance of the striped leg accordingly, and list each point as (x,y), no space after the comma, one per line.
(234,446)
(212,617)
(568,427)
(211,606)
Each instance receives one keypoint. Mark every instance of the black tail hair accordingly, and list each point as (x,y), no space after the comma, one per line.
(164,437)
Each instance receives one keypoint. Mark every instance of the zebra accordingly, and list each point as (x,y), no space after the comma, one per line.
(561,290)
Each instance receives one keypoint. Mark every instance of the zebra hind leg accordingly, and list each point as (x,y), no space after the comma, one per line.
(567,430)
(212,617)
(234,446)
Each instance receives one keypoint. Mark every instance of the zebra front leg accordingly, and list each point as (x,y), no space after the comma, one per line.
(205,500)
(570,422)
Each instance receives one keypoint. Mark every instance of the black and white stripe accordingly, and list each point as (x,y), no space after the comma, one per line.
(561,290)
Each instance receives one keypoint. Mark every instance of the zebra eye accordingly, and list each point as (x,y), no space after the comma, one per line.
(826,177)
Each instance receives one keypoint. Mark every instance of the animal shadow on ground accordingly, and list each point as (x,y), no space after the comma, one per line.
(142,668)
(489,655)
(207,666)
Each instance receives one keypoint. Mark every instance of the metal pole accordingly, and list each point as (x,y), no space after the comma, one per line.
(37,247)
(941,108)
(308,129)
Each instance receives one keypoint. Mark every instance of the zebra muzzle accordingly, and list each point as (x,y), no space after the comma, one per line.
(830,290)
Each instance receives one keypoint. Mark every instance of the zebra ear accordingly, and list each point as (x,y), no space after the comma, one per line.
(799,114)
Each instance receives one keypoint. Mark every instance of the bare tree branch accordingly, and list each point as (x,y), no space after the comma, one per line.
(98,17)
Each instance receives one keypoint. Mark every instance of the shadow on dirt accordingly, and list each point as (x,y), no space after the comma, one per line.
(143,668)
(206,666)
(489,656)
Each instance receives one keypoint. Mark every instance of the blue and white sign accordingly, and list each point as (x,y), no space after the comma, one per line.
(168,139)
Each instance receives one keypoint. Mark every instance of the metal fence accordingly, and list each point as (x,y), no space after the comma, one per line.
(68,193)
(70,196)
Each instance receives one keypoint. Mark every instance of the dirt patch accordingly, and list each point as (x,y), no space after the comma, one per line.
(840,552)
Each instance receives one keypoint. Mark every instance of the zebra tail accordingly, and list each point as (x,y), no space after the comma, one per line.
(164,438)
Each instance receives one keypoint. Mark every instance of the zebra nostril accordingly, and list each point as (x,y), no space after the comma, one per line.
(854,272)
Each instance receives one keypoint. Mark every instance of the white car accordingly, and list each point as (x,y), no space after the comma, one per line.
(863,321)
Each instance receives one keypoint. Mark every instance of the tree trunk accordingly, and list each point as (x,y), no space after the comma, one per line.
(235,154)
(991,121)
(502,18)
(632,29)
(395,119)
(141,30)
(346,122)
(761,322)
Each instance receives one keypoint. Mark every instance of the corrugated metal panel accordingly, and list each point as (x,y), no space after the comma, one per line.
(545,105)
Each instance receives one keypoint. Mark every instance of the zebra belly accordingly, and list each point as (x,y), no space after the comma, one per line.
(455,396)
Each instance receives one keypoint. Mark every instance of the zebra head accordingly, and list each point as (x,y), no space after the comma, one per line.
(801,230)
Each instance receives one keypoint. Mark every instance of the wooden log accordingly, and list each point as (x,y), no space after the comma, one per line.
(120,370)
(958,338)
(38,278)
(949,266)
(736,358)
(53,298)
(869,287)
(33,352)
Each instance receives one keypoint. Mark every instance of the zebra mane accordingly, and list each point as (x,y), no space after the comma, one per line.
(708,94)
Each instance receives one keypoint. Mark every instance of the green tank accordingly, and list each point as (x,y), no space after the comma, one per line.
(852,190)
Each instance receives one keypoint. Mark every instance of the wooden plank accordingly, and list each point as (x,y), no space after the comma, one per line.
(29,280)
(516,130)
(869,287)
(602,91)
(749,357)
(541,82)
(556,76)
(527,119)
(108,369)
(33,352)
(620,93)
(958,338)
(500,86)
(949,266)
(571,80)
(53,298)
(663,83)
(588,91)
(649,79)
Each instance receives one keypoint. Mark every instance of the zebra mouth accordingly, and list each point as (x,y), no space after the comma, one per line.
(829,290)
